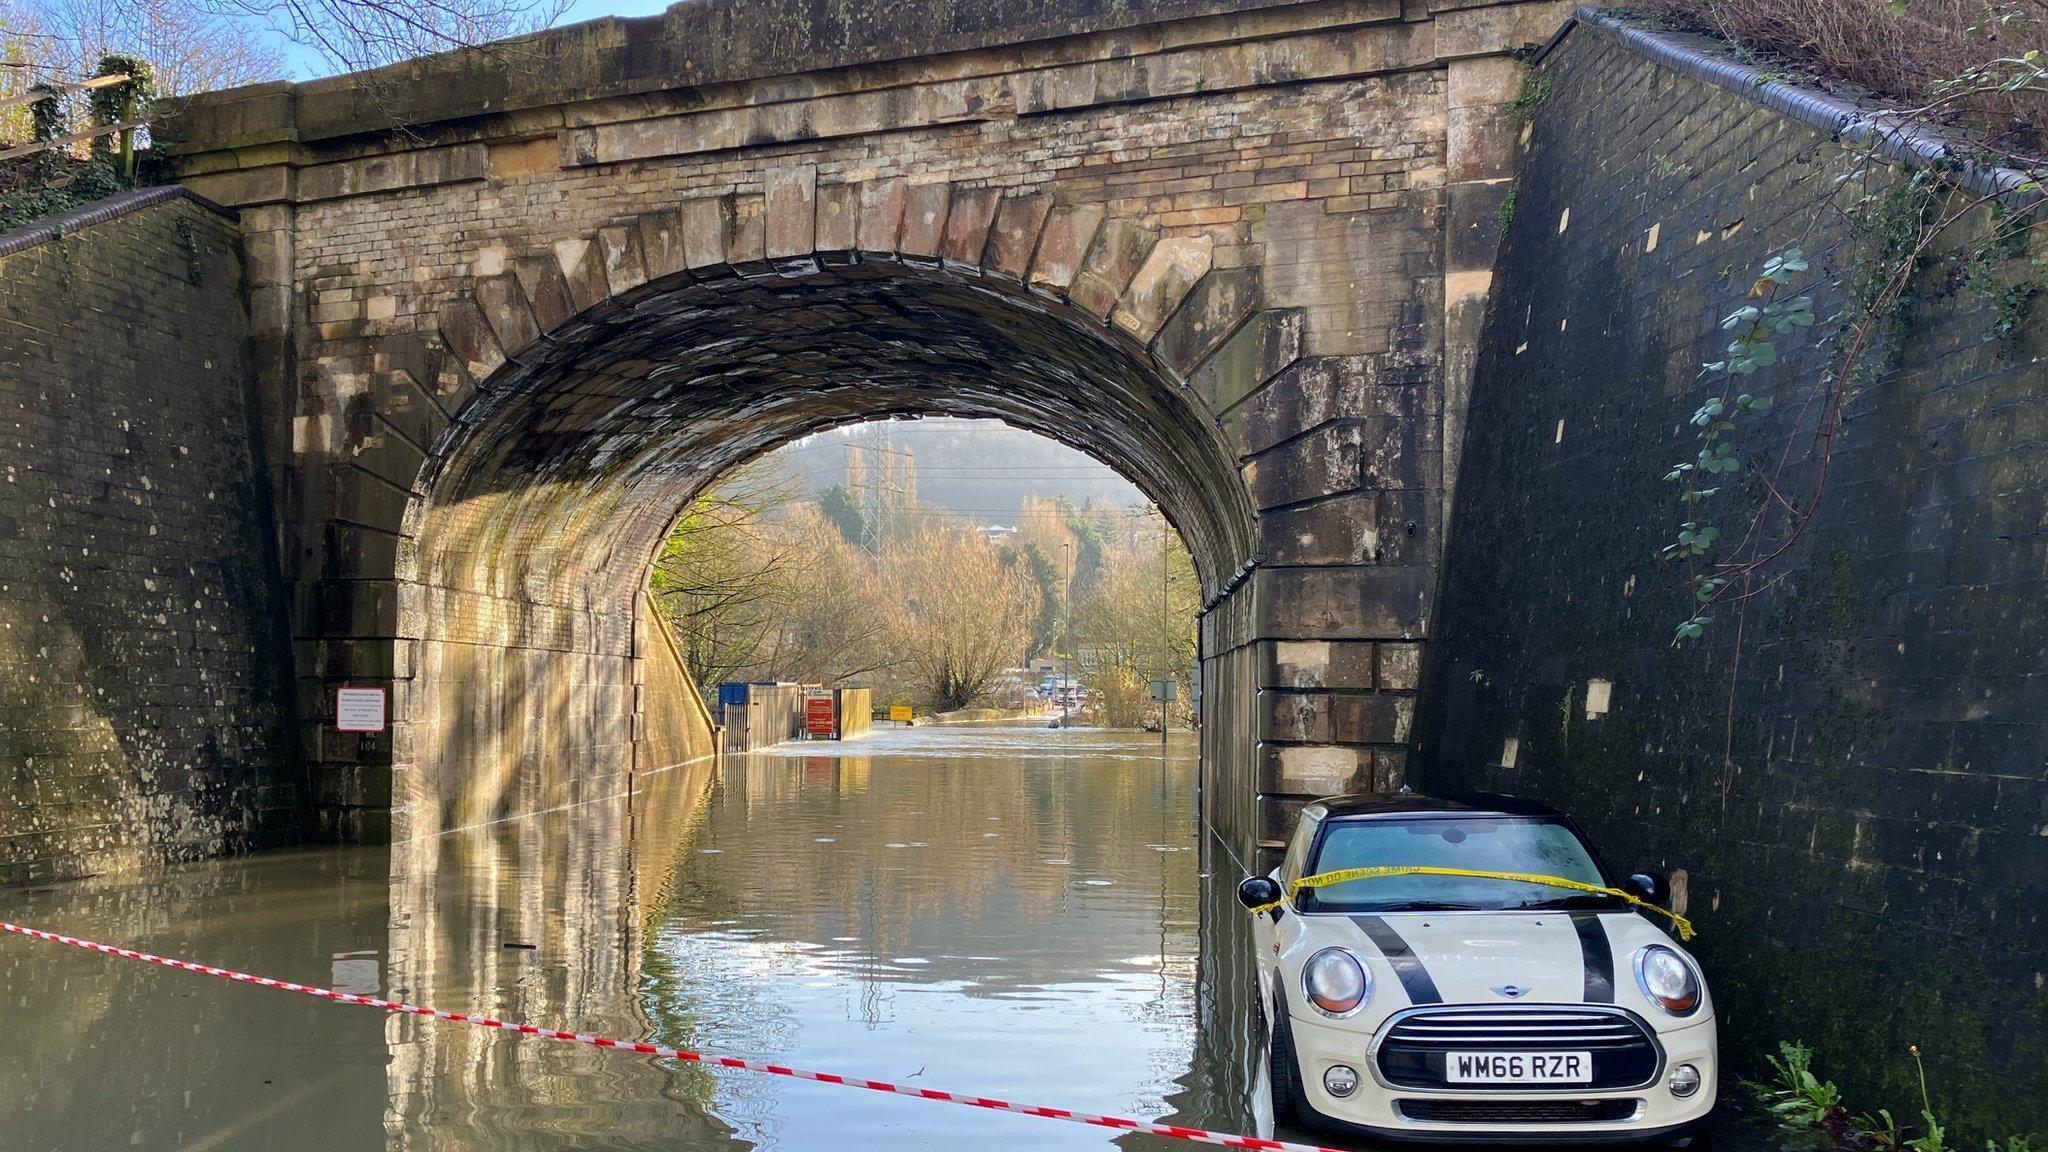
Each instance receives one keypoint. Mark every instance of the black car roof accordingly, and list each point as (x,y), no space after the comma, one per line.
(1369,804)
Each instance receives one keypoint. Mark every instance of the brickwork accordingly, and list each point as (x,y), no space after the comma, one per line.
(1212,249)
(1870,870)
(144,708)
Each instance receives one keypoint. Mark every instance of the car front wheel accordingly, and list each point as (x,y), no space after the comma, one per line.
(1284,1071)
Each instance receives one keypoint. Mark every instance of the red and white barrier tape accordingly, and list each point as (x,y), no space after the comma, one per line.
(1198,1135)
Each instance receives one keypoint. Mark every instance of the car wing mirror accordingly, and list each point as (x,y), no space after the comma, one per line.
(1651,886)
(1259,891)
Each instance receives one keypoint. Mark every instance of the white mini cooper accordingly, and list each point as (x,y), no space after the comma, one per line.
(1427,1006)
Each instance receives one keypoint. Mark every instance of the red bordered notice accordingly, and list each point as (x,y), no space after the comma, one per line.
(819,717)
(361,709)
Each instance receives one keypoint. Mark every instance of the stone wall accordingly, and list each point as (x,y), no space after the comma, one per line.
(144,683)
(1231,248)
(1869,869)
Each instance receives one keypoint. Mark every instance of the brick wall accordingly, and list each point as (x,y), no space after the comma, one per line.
(143,662)
(1870,870)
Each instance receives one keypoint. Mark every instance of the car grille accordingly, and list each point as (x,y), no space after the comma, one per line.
(1519,1111)
(1624,1054)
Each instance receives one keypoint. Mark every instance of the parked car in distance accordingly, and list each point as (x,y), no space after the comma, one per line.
(1431,1007)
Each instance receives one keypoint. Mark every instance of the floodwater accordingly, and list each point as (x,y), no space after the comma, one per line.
(1002,911)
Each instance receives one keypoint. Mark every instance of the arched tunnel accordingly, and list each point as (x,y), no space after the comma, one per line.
(543,510)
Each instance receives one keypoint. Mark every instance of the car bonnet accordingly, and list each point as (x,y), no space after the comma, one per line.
(1505,958)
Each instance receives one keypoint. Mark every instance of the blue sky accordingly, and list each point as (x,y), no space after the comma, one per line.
(306,63)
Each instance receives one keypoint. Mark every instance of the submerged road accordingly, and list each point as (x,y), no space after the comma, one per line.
(1005,911)
(1001,910)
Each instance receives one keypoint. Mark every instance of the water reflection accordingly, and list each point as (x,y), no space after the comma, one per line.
(1013,912)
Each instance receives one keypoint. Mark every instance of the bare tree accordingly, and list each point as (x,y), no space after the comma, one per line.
(356,35)
(1136,620)
(964,611)
(191,46)
(832,631)
(726,576)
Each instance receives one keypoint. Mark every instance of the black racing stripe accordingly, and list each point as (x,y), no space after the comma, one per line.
(1407,965)
(1598,952)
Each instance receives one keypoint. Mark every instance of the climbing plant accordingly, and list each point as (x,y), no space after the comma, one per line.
(124,103)
(1898,220)
(59,178)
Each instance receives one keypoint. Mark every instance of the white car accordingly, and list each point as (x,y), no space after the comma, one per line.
(1433,1007)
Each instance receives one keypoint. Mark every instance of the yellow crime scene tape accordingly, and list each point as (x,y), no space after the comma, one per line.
(1346,875)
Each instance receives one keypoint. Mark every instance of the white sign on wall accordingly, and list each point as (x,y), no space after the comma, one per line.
(359,709)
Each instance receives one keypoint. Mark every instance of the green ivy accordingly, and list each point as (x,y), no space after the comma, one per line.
(1752,346)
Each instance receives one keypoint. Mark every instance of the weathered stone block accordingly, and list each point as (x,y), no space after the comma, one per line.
(1341,530)
(882,203)
(1069,232)
(838,222)
(1218,304)
(1472,228)
(704,231)
(1317,664)
(746,239)
(1120,248)
(1175,265)
(1260,349)
(582,267)
(968,217)
(1014,239)
(546,291)
(504,305)
(661,244)
(792,208)
(1347,719)
(468,335)
(619,248)
(924,221)
(1343,603)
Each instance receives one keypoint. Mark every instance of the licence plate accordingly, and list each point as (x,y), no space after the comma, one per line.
(1518,1067)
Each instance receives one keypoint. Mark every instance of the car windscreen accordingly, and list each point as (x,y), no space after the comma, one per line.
(1528,845)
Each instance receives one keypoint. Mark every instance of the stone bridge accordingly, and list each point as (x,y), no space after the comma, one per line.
(1243,251)
(1237,249)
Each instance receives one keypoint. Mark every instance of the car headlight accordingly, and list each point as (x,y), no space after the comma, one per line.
(1668,980)
(1335,982)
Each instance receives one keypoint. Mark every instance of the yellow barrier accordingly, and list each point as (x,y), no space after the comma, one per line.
(1346,875)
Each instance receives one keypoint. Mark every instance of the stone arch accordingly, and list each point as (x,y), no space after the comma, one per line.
(559,455)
